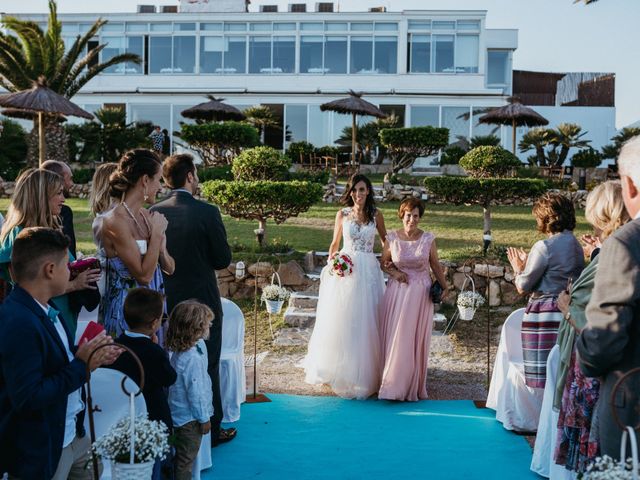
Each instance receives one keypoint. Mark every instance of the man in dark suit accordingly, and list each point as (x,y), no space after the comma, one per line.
(609,346)
(66,214)
(197,241)
(41,372)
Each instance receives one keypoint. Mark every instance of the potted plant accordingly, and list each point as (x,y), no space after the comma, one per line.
(467,303)
(150,443)
(274,297)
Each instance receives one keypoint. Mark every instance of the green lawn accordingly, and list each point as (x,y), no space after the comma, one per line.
(458,229)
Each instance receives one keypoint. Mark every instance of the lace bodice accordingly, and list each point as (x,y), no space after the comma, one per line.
(412,257)
(357,237)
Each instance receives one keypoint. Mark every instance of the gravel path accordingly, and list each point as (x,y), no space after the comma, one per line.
(449,377)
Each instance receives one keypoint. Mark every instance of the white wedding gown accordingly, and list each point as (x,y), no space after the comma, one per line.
(344,350)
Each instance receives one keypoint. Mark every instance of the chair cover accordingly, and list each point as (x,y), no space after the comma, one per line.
(542,462)
(233,385)
(113,404)
(517,406)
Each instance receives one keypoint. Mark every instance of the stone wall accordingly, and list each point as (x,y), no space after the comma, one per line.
(259,274)
(498,276)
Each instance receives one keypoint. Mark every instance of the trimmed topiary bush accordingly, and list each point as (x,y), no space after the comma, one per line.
(219,143)
(262,199)
(260,163)
(488,161)
(405,145)
(223,172)
(482,191)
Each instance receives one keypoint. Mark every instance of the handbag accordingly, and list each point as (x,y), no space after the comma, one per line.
(436,292)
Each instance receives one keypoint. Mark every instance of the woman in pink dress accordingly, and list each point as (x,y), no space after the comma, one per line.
(410,255)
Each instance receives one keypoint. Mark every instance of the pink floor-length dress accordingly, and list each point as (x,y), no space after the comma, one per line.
(406,321)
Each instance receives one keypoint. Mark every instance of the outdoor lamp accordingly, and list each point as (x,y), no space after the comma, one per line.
(240,270)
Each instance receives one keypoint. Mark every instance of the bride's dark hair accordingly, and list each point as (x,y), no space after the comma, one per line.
(370,203)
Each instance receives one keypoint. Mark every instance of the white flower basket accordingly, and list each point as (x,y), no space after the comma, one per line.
(274,306)
(132,471)
(468,301)
(466,313)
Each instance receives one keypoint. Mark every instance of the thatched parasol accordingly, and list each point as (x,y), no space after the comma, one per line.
(514,114)
(42,100)
(26,115)
(354,105)
(213,110)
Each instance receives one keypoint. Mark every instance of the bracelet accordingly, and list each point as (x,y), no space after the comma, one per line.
(567,316)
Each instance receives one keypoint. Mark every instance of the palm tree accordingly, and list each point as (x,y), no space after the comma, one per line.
(566,136)
(613,149)
(261,117)
(27,52)
(537,139)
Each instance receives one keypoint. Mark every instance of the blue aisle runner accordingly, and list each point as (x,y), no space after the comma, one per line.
(297,437)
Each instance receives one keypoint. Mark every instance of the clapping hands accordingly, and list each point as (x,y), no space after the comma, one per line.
(590,243)
(517,258)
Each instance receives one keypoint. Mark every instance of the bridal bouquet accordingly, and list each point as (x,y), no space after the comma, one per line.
(341,265)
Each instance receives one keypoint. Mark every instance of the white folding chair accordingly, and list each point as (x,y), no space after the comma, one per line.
(542,461)
(110,404)
(517,406)
(232,374)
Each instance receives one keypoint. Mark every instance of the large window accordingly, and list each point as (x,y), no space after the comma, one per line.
(443,53)
(119,45)
(284,54)
(296,122)
(211,49)
(420,54)
(497,67)
(184,54)
(335,54)
(259,54)
(425,116)
(386,55)
(311,54)
(457,120)
(235,55)
(361,55)
(160,54)
(467,53)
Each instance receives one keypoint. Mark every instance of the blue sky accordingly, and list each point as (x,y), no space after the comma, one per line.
(554,35)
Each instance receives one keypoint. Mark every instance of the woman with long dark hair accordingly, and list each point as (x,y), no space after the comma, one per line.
(344,350)
(133,238)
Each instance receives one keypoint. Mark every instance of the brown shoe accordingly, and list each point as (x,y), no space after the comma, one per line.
(225,435)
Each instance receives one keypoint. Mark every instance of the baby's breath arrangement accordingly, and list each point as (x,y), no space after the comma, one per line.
(275,293)
(151,441)
(470,299)
(606,468)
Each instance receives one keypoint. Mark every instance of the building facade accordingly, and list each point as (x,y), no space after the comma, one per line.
(438,68)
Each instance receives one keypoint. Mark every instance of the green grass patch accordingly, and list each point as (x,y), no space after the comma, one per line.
(458,229)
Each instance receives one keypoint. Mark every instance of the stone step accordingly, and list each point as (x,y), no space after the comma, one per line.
(292,337)
(300,317)
(301,300)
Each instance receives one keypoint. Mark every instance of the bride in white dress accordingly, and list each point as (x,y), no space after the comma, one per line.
(344,350)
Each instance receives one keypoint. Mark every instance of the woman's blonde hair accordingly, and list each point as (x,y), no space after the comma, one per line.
(605,208)
(30,205)
(189,322)
(99,198)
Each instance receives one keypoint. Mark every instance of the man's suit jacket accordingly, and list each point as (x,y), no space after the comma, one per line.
(36,379)
(610,344)
(197,241)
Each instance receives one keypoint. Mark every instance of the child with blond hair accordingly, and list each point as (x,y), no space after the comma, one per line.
(190,398)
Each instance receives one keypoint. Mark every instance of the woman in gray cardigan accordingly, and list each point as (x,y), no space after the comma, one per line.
(546,271)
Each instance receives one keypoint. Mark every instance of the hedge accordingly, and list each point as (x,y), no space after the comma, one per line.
(468,190)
